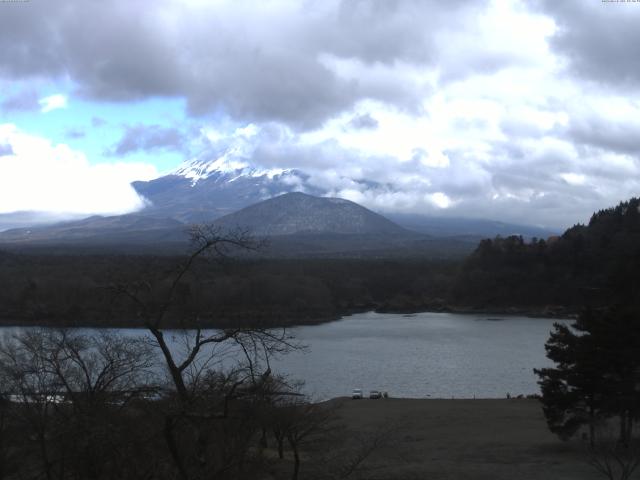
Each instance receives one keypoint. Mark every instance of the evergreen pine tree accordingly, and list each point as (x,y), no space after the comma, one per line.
(597,373)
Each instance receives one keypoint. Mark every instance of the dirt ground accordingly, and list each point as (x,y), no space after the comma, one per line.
(461,439)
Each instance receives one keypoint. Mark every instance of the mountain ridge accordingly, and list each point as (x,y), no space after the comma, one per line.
(297,225)
(203,190)
(300,213)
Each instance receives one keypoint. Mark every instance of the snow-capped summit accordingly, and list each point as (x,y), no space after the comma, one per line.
(228,158)
(202,189)
(224,167)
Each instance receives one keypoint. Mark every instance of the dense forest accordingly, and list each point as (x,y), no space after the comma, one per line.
(83,290)
(589,265)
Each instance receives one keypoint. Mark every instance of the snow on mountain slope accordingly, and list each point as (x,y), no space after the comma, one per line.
(200,190)
(224,168)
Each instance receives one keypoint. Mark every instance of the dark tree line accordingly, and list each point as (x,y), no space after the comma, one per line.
(70,290)
(594,264)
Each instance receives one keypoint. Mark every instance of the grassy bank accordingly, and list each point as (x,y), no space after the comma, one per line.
(460,439)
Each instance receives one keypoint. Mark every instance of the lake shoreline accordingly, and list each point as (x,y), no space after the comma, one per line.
(427,355)
(555,312)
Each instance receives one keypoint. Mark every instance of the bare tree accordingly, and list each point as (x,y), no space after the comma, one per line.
(28,383)
(8,458)
(67,392)
(297,421)
(81,401)
(155,303)
(216,375)
(611,457)
(313,431)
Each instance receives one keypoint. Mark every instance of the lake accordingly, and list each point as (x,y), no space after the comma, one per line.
(436,355)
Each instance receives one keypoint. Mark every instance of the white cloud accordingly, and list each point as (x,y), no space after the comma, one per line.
(573,178)
(440,200)
(48,177)
(52,102)
(469,111)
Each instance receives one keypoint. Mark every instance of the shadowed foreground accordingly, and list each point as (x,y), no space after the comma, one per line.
(460,439)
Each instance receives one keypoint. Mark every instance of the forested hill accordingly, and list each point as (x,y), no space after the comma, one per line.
(596,264)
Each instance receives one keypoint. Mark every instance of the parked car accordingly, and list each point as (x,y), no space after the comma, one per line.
(375,394)
(357,394)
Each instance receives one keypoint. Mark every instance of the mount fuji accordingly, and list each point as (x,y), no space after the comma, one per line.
(201,191)
(204,190)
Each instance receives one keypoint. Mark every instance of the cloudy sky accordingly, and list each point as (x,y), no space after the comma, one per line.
(525,111)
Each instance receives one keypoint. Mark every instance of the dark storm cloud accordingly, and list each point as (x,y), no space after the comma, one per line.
(255,61)
(537,179)
(534,174)
(23,101)
(148,138)
(606,134)
(599,39)
(108,47)
(5,150)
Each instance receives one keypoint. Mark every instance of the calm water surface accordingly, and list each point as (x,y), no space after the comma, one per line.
(438,355)
(421,355)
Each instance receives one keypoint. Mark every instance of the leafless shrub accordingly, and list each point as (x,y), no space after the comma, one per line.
(611,457)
